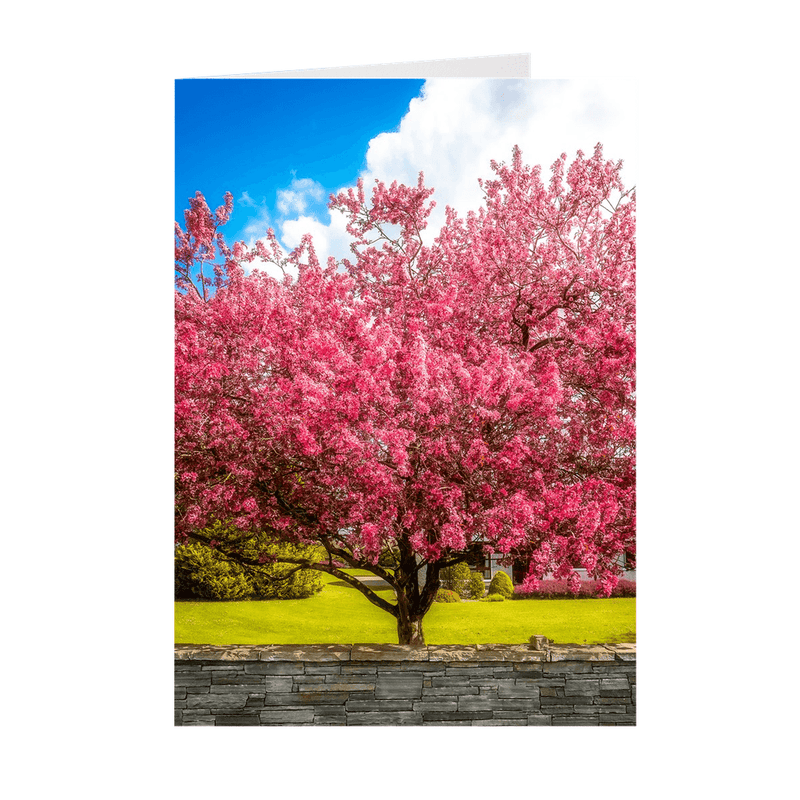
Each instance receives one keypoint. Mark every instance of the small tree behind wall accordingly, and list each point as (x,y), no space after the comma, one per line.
(419,400)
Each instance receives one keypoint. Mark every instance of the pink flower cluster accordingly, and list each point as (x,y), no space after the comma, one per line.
(479,391)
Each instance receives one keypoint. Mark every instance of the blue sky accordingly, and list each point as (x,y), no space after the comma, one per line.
(282,146)
(255,137)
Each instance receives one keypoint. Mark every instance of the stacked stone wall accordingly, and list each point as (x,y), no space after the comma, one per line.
(399,685)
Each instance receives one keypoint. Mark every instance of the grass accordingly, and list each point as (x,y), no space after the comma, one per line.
(341,615)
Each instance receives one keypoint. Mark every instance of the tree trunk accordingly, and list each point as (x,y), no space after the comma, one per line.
(409,630)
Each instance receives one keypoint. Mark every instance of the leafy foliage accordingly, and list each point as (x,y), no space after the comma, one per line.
(199,573)
(493,598)
(204,572)
(421,397)
(501,584)
(447,596)
(477,588)
(456,578)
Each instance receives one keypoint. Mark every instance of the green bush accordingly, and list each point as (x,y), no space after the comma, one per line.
(200,573)
(447,596)
(205,573)
(501,584)
(476,585)
(456,578)
(493,598)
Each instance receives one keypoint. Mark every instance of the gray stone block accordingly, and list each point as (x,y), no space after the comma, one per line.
(238,680)
(429,668)
(614,683)
(441,722)
(316,698)
(572,719)
(530,667)
(540,719)
(494,722)
(457,670)
(551,691)
(200,689)
(379,705)
(180,693)
(272,683)
(384,718)
(207,721)
(237,719)
(323,669)
(274,668)
(566,668)
(187,666)
(450,680)
(361,695)
(302,680)
(517,688)
(358,669)
(442,691)
(220,701)
(351,680)
(186,679)
(436,705)
(493,704)
(556,710)
(576,686)
(346,687)
(455,716)
(398,686)
(617,719)
(280,717)
(330,712)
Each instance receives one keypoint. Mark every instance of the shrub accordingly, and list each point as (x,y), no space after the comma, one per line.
(284,581)
(204,573)
(501,584)
(456,578)
(557,590)
(492,598)
(447,596)
(198,573)
(476,585)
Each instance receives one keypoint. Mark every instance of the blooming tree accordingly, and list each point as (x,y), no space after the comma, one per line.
(427,401)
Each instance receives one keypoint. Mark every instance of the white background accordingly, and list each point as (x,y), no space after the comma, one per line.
(87,205)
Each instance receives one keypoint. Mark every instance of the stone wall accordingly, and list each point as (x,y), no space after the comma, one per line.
(402,685)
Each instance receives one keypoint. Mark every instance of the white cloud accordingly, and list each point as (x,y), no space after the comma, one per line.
(295,199)
(332,239)
(247,201)
(457,126)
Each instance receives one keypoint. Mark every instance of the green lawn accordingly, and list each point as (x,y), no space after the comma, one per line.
(341,615)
